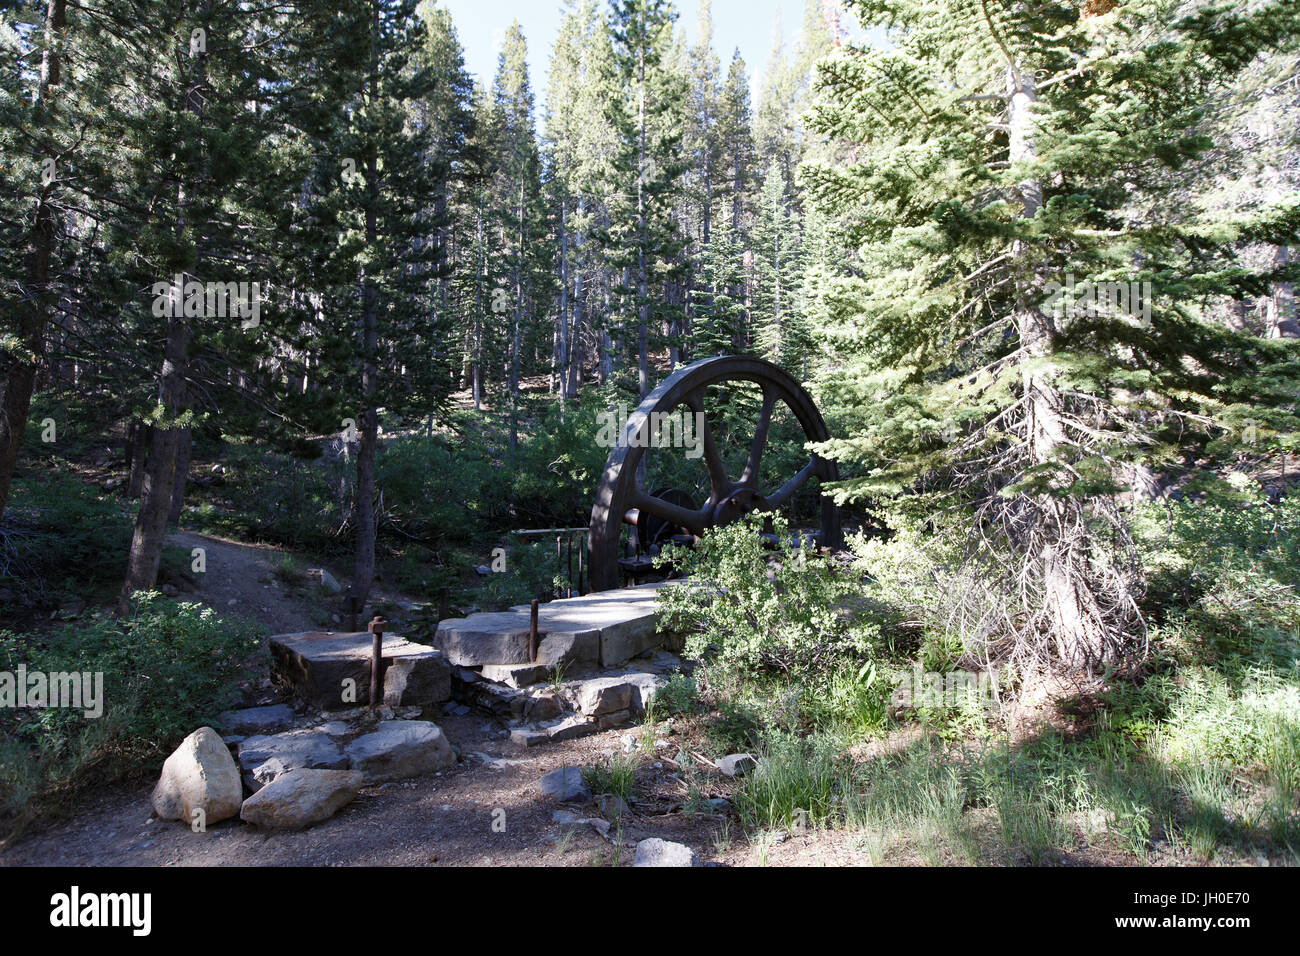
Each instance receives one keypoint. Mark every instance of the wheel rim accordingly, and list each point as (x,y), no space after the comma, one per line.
(729,499)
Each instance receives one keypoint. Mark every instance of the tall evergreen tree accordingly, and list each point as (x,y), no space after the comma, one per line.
(1001,151)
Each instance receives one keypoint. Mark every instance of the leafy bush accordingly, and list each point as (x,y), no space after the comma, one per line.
(757,613)
(167,669)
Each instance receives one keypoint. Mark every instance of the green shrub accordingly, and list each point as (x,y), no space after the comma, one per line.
(167,669)
(615,774)
(756,613)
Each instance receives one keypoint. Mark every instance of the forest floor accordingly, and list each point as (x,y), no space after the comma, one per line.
(448,818)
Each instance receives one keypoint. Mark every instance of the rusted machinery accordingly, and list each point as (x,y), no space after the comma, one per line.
(670,514)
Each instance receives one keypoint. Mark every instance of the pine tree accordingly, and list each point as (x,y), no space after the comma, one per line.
(736,141)
(646,112)
(1002,158)
(718,308)
(774,242)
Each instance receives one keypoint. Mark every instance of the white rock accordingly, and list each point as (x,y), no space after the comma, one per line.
(657,852)
(200,774)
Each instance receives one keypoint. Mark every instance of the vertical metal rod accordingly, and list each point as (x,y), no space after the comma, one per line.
(559,560)
(532,632)
(582,546)
(568,577)
(376,657)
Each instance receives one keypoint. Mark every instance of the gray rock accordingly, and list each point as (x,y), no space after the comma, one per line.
(736,765)
(570,728)
(517,675)
(657,852)
(300,798)
(544,706)
(257,720)
(319,665)
(565,784)
(326,580)
(499,637)
(264,758)
(399,749)
(528,738)
(616,719)
(611,805)
(604,695)
(200,774)
(718,805)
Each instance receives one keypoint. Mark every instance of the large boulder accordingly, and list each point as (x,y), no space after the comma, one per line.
(605,695)
(199,775)
(300,798)
(400,748)
(264,758)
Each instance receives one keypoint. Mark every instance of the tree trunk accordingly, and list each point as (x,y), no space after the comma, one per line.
(363,568)
(36,305)
(139,436)
(160,473)
(1072,615)
(1282,322)
(183,451)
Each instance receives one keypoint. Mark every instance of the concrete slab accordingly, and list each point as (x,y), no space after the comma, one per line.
(316,664)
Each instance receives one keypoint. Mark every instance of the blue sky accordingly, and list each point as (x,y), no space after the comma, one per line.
(747,24)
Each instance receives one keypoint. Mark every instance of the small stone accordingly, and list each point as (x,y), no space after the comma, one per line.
(570,728)
(611,805)
(608,721)
(257,720)
(565,784)
(736,765)
(657,852)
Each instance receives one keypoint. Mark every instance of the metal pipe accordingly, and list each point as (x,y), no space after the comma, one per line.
(532,632)
(376,657)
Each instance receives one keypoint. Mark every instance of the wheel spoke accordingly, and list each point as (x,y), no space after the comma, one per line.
(692,521)
(782,494)
(718,484)
(749,478)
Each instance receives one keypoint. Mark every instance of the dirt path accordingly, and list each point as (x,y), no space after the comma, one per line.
(442,819)
(240,581)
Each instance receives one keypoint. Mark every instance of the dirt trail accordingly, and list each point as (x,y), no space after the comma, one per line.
(442,819)
(240,581)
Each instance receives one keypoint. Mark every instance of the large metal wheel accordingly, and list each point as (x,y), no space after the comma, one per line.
(620,498)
